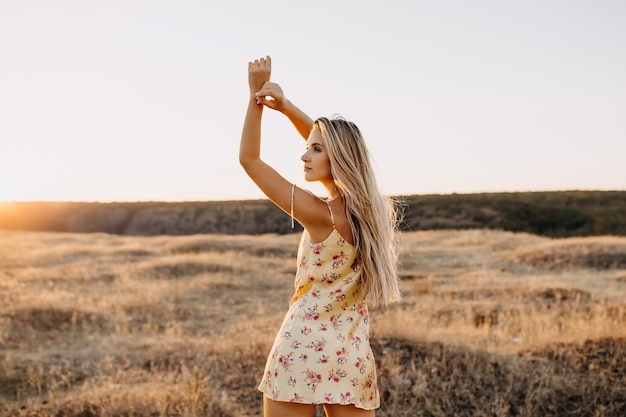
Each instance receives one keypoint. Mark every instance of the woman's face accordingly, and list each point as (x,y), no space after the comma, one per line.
(316,162)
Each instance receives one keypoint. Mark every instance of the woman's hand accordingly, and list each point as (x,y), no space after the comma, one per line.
(272,96)
(259,72)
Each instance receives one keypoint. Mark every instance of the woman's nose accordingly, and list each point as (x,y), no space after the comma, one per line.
(304,157)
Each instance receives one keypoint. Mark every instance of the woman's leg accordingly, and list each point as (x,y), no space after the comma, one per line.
(336,410)
(273,408)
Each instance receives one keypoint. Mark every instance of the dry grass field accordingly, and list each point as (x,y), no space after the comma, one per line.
(493,324)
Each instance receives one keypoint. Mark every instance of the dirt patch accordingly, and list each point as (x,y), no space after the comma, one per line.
(178,270)
(57,319)
(594,253)
(561,295)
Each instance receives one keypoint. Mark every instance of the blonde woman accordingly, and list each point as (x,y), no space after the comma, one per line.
(346,260)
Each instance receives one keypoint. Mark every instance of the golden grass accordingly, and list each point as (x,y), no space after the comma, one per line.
(492,324)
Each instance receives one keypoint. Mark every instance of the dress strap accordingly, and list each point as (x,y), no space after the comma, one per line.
(332,217)
(293,188)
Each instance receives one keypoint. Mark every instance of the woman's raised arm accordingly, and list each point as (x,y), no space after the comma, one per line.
(271,95)
(306,207)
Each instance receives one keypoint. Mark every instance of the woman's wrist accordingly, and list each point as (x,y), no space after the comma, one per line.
(286,106)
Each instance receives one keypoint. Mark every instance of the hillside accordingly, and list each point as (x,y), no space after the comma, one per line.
(559,213)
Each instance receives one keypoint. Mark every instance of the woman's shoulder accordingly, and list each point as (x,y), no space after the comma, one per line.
(329,215)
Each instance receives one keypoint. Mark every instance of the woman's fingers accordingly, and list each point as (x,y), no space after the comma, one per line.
(261,64)
(270,94)
(267,62)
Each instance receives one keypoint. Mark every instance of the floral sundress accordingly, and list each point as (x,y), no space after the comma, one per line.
(322,354)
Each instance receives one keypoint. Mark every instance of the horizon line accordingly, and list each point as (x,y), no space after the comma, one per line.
(267,199)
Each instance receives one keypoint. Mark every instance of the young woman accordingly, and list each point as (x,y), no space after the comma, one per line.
(346,259)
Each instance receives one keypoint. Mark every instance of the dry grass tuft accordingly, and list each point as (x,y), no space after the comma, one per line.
(559,380)
(101,325)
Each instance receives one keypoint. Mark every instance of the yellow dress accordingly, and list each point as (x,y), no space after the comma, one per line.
(322,354)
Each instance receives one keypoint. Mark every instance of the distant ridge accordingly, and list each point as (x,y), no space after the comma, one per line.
(549,213)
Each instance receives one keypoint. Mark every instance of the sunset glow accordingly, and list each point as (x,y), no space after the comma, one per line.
(137,101)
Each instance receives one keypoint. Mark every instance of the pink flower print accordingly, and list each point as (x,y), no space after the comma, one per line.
(295,344)
(286,360)
(313,379)
(344,307)
(341,337)
(348,280)
(323,327)
(339,260)
(323,359)
(336,375)
(317,345)
(319,263)
(335,321)
(346,398)
(287,334)
(355,266)
(342,356)
(362,309)
(292,381)
(296,398)
(303,262)
(306,330)
(341,241)
(328,398)
(356,342)
(268,376)
(354,382)
(317,248)
(329,279)
(275,396)
(328,307)
(304,357)
(312,313)
(316,294)
(360,364)
(338,295)
(368,382)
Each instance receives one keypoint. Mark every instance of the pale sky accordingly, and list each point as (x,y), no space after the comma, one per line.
(144,100)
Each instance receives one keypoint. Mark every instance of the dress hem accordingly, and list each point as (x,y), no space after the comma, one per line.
(359,406)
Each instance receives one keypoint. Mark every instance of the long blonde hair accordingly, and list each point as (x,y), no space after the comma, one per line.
(372,216)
